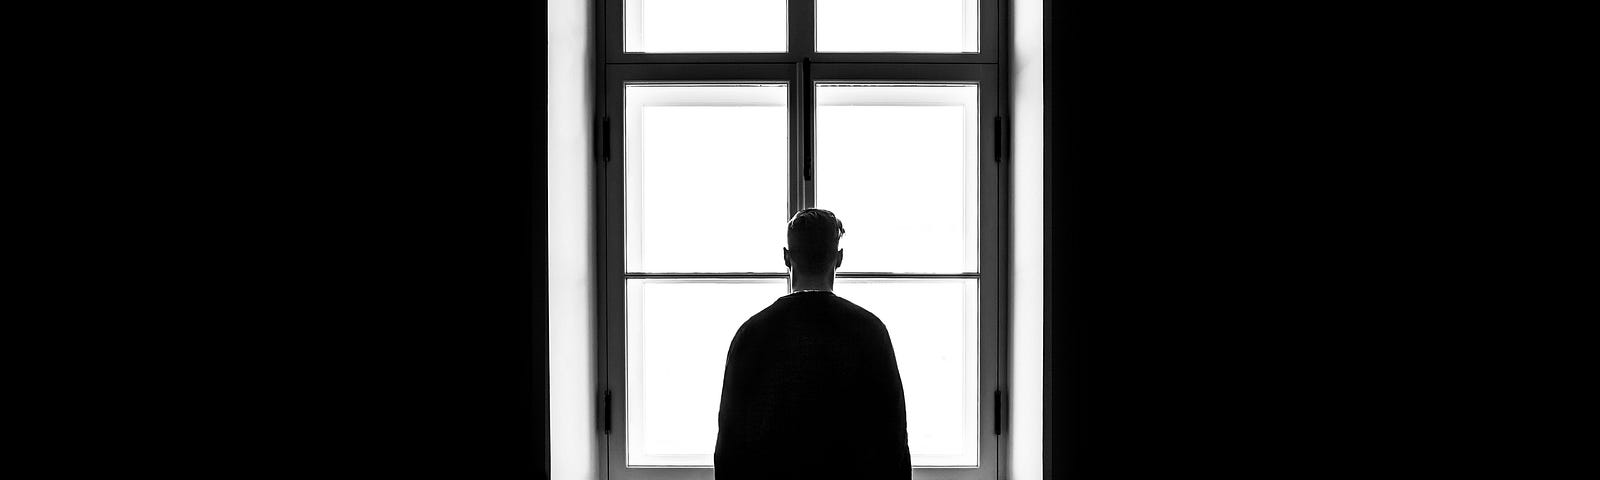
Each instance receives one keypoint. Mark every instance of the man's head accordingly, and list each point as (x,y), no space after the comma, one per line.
(814,242)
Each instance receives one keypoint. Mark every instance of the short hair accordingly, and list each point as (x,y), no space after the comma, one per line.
(813,237)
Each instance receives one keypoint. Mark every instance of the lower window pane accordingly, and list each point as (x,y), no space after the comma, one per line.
(678,332)
(934,326)
(678,335)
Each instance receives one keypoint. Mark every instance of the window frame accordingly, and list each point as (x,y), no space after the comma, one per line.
(802,32)
(616,69)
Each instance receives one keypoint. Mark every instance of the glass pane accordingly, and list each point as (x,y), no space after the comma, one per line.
(678,336)
(707,26)
(948,26)
(707,177)
(934,326)
(899,165)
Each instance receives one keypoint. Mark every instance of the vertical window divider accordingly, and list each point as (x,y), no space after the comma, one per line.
(805,141)
(803,44)
(798,198)
(803,28)
(809,124)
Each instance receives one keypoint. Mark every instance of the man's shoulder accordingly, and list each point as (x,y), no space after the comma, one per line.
(766,315)
(807,303)
(821,302)
(851,306)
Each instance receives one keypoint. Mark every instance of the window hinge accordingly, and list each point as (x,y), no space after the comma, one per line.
(999,137)
(603,139)
(607,409)
(999,412)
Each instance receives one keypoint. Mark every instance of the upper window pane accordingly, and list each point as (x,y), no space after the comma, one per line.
(920,26)
(680,26)
(707,169)
(899,165)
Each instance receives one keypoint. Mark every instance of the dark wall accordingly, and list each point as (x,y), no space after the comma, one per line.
(1215,240)
(379,174)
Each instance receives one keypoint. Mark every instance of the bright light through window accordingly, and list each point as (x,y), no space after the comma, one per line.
(681,26)
(678,336)
(899,165)
(707,170)
(934,326)
(926,26)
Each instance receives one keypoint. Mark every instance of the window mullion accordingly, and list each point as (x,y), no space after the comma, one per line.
(799,192)
(802,44)
(808,117)
(802,27)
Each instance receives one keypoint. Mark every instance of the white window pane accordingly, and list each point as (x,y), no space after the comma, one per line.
(899,165)
(897,26)
(707,178)
(678,335)
(934,326)
(706,25)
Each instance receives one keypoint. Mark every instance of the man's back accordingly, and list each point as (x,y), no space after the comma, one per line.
(812,390)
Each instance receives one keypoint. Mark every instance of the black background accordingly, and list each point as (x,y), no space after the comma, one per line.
(360,240)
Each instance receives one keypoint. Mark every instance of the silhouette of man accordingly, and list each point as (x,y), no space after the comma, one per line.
(811,388)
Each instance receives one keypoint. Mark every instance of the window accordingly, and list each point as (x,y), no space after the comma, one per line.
(737,113)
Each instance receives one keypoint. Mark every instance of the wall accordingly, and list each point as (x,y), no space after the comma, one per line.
(1026,453)
(574,433)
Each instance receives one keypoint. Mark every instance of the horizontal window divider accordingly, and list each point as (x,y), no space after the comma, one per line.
(785,275)
(905,275)
(781,62)
(696,62)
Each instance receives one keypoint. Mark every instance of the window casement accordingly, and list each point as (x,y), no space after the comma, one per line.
(706,154)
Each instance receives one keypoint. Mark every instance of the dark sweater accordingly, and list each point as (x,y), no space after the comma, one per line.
(812,390)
